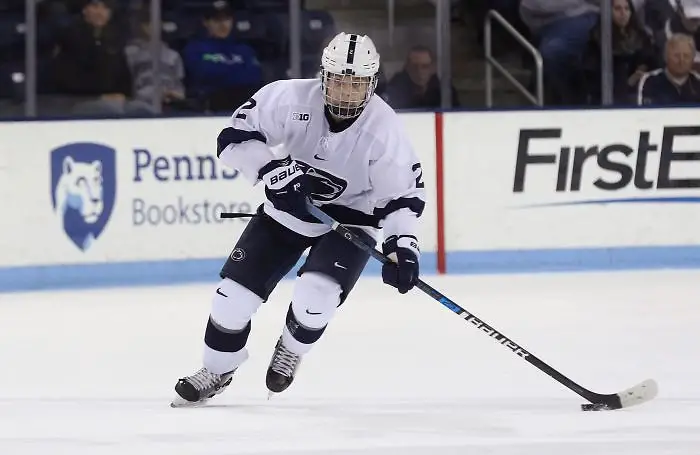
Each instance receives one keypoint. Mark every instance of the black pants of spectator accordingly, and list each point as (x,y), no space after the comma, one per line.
(562,45)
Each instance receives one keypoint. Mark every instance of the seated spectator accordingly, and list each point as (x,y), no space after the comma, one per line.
(222,72)
(140,60)
(676,84)
(684,20)
(562,29)
(89,60)
(417,86)
(633,55)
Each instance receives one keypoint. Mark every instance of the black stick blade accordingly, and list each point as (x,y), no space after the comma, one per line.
(236,215)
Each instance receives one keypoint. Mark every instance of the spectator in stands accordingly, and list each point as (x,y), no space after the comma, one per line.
(417,86)
(562,29)
(89,60)
(221,71)
(676,84)
(171,70)
(633,55)
(685,20)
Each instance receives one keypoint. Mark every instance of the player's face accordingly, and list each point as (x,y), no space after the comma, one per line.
(346,92)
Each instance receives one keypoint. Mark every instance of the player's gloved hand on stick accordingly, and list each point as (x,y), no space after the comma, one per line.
(403,273)
(286,186)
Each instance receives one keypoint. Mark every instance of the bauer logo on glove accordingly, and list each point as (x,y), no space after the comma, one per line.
(289,170)
(286,186)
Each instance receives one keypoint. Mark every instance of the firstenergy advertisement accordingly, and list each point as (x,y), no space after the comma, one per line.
(572,179)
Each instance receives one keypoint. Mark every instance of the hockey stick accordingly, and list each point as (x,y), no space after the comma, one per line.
(640,393)
(226,215)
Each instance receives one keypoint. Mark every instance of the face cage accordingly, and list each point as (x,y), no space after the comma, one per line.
(344,97)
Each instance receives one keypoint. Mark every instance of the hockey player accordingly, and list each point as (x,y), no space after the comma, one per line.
(346,150)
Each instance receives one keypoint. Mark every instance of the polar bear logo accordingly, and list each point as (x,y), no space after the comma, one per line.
(83,189)
(80,188)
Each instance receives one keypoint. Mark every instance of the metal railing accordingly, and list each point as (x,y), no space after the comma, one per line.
(491,63)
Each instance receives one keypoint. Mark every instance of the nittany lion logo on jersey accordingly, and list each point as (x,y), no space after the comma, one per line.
(326,186)
(83,189)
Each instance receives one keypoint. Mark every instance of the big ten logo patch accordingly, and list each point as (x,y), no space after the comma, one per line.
(83,189)
(301,116)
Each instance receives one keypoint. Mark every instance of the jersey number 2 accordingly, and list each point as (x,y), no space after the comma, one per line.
(250,104)
(419,179)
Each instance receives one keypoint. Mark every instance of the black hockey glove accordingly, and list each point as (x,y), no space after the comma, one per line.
(286,186)
(403,250)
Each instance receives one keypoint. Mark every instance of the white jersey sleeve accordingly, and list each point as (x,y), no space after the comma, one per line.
(397,184)
(256,126)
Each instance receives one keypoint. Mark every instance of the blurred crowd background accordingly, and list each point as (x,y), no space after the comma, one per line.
(86,58)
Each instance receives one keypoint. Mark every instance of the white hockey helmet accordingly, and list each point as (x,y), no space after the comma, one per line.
(349,74)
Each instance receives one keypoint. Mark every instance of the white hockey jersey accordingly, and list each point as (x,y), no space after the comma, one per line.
(368,173)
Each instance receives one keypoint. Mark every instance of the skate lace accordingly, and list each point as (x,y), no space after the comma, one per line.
(203,379)
(284,361)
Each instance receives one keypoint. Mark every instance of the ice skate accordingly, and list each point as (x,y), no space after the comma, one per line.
(283,366)
(197,389)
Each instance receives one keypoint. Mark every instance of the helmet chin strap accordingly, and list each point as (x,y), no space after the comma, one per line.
(335,112)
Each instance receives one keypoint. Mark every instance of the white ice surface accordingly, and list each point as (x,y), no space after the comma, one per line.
(92,372)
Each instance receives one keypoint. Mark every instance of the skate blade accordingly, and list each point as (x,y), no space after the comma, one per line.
(180,402)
